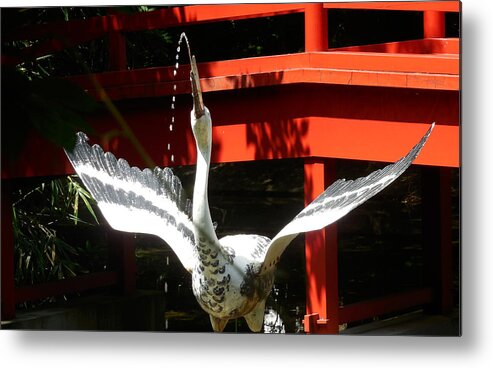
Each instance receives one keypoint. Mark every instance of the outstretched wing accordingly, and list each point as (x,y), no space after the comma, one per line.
(337,200)
(138,201)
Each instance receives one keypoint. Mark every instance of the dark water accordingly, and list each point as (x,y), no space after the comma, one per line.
(380,246)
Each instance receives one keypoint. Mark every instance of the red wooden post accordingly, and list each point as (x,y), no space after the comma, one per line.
(122,259)
(117,49)
(316,30)
(433,23)
(322,285)
(8,286)
(437,233)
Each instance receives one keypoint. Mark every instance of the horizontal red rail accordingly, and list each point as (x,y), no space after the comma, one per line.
(348,68)
(158,19)
(68,286)
(60,35)
(424,46)
(393,303)
(186,15)
(443,6)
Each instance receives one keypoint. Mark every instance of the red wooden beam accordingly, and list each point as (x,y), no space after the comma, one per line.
(122,259)
(424,46)
(300,138)
(437,236)
(117,51)
(337,138)
(195,14)
(444,6)
(322,282)
(337,67)
(158,19)
(68,286)
(368,309)
(7,255)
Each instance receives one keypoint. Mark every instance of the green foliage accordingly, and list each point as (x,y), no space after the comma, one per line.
(43,218)
(53,107)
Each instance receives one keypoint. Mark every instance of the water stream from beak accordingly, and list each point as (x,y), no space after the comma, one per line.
(183,36)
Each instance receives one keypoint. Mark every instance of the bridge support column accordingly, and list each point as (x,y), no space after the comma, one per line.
(7,254)
(433,23)
(316,31)
(437,234)
(122,259)
(322,283)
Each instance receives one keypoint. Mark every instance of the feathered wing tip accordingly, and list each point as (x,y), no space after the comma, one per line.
(134,200)
(338,200)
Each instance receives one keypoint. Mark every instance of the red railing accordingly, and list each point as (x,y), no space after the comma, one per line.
(441,73)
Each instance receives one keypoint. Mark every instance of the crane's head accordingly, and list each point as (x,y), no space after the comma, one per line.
(200,116)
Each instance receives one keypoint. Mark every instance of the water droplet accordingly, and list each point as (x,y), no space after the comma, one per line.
(174,87)
(169,146)
(177,56)
(173,119)
(173,98)
(174,73)
(177,66)
(172,158)
(173,106)
(171,127)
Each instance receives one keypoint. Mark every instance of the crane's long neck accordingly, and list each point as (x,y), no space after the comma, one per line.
(201,213)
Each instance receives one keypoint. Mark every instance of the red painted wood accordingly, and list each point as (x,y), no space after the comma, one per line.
(424,46)
(179,16)
(122,259)
(287,122)
(446,251)
(437,236)
(68,286)
(433,23)
(7,255)
(446,6)
(316,27)
(322,289)
(238,71)
(117,52)
(158,19)
(392,303)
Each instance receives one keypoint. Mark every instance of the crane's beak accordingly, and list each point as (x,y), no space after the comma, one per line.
(198,103)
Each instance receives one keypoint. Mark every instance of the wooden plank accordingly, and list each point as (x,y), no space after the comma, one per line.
(301,138)
(68,286)
(388,304)
(445,6)
(195,14)
(293,76)
(339,138)
(158,19)
(356,68)
(424,46)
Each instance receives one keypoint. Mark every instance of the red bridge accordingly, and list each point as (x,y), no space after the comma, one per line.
(369,102)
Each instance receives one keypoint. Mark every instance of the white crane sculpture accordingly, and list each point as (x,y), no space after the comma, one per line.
(232,276)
